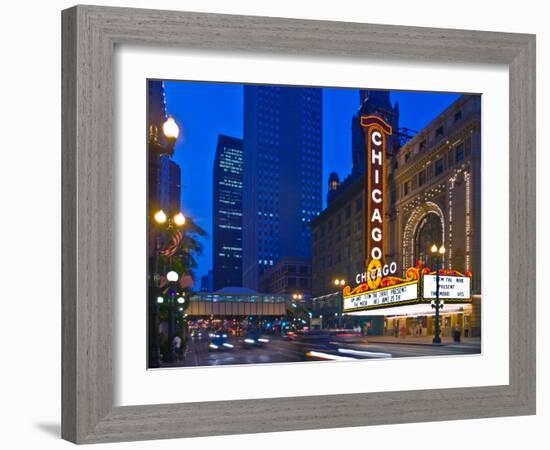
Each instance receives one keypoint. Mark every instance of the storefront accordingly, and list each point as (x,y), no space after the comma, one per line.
(416,323)
(406,306)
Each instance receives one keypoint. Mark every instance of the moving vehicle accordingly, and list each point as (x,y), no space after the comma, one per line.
(253,338)
(219,341)
(196,333)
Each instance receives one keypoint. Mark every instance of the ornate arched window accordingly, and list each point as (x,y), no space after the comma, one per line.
(427,233)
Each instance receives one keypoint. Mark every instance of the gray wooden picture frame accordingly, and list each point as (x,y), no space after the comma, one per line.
(90,34)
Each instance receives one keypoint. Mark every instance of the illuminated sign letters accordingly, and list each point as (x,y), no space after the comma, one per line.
(379,298)
(376,132)
(450,287)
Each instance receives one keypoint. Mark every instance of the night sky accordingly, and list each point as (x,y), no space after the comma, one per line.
(205,110)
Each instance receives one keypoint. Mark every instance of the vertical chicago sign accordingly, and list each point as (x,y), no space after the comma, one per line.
(376,133)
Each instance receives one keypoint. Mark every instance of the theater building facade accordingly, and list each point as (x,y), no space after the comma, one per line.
(432,195)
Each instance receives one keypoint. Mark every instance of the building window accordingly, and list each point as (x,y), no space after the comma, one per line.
(348,211)
(358,204)
(468,147)
(458,116)
(439,167)
(450,158)
(406,188)
(459,155)
(421,178)
(439,132)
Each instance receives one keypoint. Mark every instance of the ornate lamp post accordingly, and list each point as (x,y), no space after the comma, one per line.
(437,304)
(164,225)
(174,298)
(156,149)
(340,282)
(171,132)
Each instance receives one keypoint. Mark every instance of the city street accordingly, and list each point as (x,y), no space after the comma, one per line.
(279,350)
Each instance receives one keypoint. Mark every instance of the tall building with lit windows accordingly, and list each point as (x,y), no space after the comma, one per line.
(227,213)
(282,177)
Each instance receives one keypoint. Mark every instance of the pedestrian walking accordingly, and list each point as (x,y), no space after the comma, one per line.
(456,333)
(176,346)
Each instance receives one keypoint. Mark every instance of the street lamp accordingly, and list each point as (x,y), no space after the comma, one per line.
(438,252)
(156,149)
(172,276)
(340,283)
(164,224)
(161,218)
(175,298)
(171,131)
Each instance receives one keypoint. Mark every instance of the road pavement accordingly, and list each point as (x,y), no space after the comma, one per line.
(280,350)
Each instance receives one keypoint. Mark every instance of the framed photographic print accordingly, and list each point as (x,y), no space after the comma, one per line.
(303,220)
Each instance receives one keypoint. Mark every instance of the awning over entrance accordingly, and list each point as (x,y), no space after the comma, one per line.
(408,310)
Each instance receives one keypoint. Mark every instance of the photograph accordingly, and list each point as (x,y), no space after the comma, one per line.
(291,224)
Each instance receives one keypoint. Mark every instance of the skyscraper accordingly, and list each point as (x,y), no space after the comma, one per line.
(282,182)
(227,212)
(170,185)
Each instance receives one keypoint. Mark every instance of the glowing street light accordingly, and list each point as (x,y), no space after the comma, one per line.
(437,305)
(172,276)
(170,129)
(160,216)
(179,219)
(339,282)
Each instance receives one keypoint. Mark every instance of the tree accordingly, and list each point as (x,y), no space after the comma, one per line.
(182,260)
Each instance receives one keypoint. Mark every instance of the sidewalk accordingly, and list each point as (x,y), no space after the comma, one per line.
(416,340)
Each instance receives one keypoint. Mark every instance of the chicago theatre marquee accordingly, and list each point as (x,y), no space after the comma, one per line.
(377,231)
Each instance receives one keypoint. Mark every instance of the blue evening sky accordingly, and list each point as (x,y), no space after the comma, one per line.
(205,110)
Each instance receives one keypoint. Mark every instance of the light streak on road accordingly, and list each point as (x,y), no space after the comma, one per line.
(328,356)
(350,351)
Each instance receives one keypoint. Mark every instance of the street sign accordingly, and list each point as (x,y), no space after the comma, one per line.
(379,298)
(450,287)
